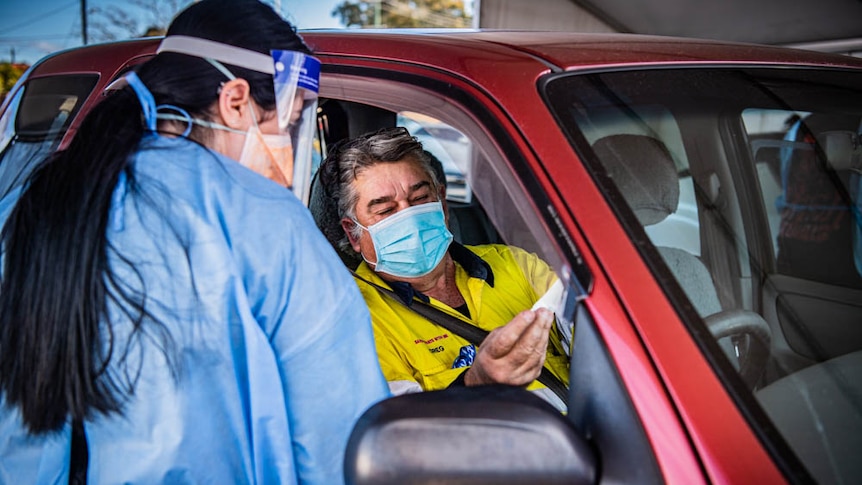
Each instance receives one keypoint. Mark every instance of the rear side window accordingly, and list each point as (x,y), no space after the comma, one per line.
(36,122)
(808,167)
(447,144)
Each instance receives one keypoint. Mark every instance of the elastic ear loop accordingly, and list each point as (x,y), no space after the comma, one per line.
(151,111)
(184,117)
(369,263)
(218,65)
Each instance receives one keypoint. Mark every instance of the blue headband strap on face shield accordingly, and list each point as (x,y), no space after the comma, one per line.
(145,97)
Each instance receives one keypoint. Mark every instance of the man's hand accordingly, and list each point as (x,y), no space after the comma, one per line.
(514,353)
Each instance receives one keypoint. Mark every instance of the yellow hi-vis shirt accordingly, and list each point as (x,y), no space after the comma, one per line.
(496,281)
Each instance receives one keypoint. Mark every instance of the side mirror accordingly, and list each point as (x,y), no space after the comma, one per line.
(478,435)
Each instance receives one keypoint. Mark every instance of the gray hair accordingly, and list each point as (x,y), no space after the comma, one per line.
(348,160)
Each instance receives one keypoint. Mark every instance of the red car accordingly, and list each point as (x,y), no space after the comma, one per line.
(701,200)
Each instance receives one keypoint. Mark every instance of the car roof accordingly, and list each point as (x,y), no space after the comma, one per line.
(483,57)
(450,49)
(559,50)
(97,58)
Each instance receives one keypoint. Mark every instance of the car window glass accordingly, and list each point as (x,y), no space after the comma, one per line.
(34,126)
(448,145)
(806,175)
(680,227)
(7,125)
(775,157)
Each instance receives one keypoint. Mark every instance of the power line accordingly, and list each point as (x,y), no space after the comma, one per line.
(25,38)
(39,17)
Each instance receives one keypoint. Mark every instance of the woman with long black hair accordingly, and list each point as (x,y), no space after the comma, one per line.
(166,313)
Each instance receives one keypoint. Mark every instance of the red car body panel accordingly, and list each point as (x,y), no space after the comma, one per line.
(668,380)
(696,430)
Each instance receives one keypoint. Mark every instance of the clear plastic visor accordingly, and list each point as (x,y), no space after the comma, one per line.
(297,81)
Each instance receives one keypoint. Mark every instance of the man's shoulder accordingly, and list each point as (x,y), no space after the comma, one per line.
(499,252)
(364,272)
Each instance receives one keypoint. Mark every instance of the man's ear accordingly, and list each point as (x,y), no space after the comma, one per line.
(233,105)
(347,224)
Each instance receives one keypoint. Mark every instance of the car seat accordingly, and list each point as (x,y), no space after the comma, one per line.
(644,172)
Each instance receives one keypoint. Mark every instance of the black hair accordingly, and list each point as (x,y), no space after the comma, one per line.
(55,336)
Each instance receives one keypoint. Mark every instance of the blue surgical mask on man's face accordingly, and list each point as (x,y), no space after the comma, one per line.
(411,242)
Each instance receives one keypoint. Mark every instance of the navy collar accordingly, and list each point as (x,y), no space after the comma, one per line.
(475,267)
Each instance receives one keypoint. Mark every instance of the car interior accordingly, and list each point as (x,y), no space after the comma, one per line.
(729,193)
(643,170)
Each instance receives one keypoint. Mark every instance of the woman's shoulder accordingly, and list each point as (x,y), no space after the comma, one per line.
(196,187)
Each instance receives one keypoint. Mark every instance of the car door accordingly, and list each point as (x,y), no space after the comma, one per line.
(621,401)
(759,167)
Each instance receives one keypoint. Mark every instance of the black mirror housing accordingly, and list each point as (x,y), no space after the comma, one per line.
(477,435)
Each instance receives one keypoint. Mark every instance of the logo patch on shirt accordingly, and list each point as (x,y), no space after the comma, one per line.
(431,340)
(466,355)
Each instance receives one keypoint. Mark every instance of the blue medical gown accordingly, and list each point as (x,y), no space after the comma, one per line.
(272,355)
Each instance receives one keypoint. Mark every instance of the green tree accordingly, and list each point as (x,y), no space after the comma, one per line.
(403,13)
(9,74)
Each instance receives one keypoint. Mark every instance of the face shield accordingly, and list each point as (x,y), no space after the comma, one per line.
(286,156)
(297,82)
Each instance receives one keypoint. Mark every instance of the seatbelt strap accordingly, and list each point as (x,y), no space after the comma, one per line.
(471,333)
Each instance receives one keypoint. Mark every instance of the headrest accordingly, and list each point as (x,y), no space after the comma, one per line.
(838,137)
(843,149)
(324,210)
(644,172)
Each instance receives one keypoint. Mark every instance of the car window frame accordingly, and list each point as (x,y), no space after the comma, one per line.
(618,425)
(465,113)
(749,214)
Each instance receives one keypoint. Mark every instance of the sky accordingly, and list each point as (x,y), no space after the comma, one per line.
(31,29)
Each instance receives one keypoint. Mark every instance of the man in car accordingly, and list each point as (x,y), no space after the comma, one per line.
(392,209)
